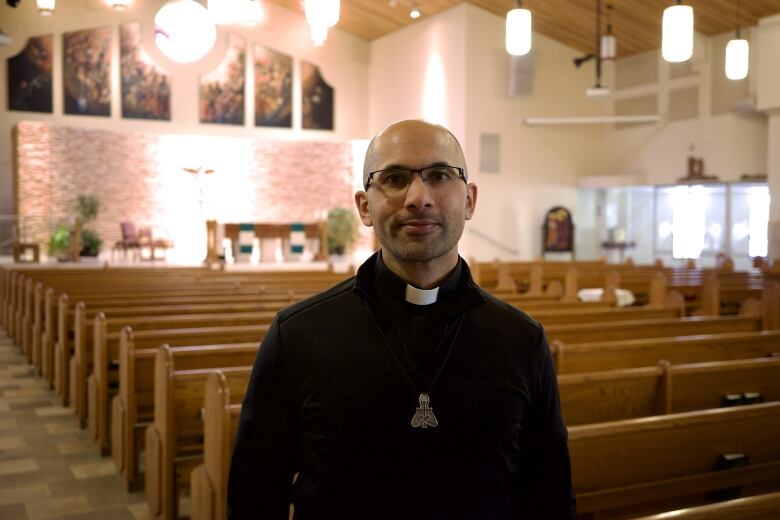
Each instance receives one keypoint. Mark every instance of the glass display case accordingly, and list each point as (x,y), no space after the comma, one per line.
(674,223)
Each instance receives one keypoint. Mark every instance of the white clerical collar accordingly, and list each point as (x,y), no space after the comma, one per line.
(421,296)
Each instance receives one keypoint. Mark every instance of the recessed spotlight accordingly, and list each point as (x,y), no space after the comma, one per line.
(415,12)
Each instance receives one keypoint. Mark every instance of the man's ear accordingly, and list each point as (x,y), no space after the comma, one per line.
(471,199)
(361,201)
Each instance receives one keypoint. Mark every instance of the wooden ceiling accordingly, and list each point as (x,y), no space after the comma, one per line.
(636,23)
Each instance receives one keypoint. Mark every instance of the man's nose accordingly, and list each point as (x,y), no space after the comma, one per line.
(418,194)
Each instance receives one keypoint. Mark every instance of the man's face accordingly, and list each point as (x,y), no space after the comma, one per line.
(422,223)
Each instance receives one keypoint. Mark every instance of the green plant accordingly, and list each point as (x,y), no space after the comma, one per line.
(60,239)
(90,242)
(342,230)
(87,207)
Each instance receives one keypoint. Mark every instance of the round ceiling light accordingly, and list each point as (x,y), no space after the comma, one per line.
(184,31)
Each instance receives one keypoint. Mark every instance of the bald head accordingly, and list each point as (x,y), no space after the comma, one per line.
(412,143)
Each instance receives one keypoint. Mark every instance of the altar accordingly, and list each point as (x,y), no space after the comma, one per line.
(293,239)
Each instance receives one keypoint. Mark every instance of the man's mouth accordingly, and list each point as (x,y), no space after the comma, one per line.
(419,226)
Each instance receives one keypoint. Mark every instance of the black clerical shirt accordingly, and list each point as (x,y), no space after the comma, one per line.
(338,379)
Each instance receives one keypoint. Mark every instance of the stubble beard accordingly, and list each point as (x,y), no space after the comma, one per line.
(421,249)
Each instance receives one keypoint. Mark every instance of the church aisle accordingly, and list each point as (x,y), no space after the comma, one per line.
(48,467)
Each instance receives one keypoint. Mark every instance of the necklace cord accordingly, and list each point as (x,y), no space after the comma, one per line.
(395,355)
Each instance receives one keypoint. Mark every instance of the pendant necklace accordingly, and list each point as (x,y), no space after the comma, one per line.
(423,416)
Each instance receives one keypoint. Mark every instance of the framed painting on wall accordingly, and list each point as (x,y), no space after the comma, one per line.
(29,76)
(273,88)
(316,99)
(146,91)
(558,230)
(86,77)
(222,90)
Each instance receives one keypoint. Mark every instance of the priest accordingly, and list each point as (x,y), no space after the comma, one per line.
(407,391)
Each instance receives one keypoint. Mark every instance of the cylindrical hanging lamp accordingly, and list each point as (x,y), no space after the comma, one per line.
(737,54)
(737,58)
(46,7)
(119,5)
(318,34)
(518,31)
(322,12)
(677,35)
(321,15)
(608,43)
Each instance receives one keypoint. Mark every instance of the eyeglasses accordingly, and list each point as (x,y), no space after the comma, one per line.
(396,180)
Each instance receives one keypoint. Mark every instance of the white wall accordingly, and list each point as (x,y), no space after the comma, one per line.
(539,166)
(420,72)
(769,99)
(731,143)
(343,61)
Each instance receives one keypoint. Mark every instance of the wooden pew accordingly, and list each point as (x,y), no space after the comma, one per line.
(64,345)
(612,314)
(81,364)
(640,466)
(132,408)
(174,441)
(635,353)
(758,507)
(222,408)
(657,328)
(102,381)
(613,395)
(223,405)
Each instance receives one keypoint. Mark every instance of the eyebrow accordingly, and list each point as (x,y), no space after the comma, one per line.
(405,167)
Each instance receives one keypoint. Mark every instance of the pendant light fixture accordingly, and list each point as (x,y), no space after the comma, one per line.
(321,15)
(598,90)
(737,55)
(414,14)
(46,7)
(608,44)
(119,5)
(677,36)
(518,31)
(184,31)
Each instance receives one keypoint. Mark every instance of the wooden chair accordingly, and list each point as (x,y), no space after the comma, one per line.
(147,240)
(129,241)
(20,248)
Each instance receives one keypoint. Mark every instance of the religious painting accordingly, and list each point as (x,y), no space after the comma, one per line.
(317,99)
(558,231)
(273,88)
(146,91)
(87,72)
(29,76)
(222,90)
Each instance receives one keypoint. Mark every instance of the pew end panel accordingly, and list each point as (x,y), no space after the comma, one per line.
(47,338)
(202,495)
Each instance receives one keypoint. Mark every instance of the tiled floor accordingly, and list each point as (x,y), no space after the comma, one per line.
(48,466)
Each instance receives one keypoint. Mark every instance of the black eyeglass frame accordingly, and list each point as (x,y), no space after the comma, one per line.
(412,171)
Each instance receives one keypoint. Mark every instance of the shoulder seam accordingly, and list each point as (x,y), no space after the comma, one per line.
(347,286)
(498,302)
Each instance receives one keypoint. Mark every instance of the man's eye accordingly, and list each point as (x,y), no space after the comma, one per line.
(439,176)
(392,179)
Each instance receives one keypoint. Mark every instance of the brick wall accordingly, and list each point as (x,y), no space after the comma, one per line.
(139,177)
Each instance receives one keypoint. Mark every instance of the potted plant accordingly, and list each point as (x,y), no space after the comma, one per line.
(59,242)
(87,207)
(342,230)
